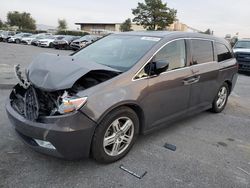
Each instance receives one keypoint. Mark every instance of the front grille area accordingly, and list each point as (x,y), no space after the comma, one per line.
(31,105)
(243,57)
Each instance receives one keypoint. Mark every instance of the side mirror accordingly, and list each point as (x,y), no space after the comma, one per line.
(159,66)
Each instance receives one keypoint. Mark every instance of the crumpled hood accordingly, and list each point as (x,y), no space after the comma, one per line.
(52,72)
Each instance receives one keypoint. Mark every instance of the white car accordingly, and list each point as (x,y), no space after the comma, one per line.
(48,42)
(5,35)
(39,37)
(28,40)
(18,37)
(32,38)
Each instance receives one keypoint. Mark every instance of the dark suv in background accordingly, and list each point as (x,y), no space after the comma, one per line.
(64,42)
(84,41)
(99,99)
(242,54)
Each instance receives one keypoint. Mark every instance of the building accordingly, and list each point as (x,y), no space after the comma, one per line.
(177,26)
(104,28)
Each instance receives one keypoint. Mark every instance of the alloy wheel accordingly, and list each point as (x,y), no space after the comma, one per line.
(118,136)
(222,97)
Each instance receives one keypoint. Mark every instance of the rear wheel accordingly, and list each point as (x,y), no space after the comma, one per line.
(18,41)
(220,100)
(115,135)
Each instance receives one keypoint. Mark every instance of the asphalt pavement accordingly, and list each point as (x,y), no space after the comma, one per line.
(212,150)
(14,54)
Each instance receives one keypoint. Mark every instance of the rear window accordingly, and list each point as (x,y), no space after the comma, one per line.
(222,52)
(202,51)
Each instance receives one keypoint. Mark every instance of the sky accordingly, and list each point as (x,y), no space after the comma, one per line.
(221,16)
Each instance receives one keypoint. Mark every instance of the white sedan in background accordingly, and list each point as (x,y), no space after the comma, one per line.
(48,42)
(30,39)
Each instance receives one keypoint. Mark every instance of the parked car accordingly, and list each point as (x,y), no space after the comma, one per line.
(49,41)
(39,37)
(65,42)
(5,35)
(18,37)
(99,99)
(28,40)
(83,41)
(242,54)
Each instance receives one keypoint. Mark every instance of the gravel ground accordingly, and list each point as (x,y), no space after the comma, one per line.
(213,150)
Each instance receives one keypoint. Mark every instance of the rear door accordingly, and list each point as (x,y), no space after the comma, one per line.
(205,70)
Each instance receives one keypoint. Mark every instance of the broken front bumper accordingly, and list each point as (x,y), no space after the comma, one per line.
(69,134)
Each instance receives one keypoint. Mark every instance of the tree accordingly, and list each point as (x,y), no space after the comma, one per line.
(126,25)
(208,32)
(22,20)
(154,15)
(62,24)
(1,24)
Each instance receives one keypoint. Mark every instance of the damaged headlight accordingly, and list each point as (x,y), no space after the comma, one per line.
(71,104)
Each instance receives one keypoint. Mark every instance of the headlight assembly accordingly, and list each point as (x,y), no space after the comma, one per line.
(71,104)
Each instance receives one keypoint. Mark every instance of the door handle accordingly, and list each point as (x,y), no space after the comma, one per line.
(191,80)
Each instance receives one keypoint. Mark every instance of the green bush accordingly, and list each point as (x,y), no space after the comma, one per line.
(74,33)
(31,31)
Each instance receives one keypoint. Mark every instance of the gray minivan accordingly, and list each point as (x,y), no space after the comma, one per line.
(98,100)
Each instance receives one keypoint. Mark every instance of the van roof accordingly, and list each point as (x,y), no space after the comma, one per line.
(166,34)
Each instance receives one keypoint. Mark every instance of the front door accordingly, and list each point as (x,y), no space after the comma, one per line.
(168,94)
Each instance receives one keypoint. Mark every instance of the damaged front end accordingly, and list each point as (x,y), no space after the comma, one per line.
(34,102)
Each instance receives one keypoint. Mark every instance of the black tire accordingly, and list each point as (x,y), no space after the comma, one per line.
(18,41)
(97,148)
(51,45)
(215,107)
(66,47)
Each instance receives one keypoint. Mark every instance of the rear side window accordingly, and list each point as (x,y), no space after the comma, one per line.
(222,52)
(202,51)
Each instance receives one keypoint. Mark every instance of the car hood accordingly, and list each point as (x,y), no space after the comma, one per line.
(80,40)
(27,38)
(63,40)
(46,40)
(52,72)
(247,50)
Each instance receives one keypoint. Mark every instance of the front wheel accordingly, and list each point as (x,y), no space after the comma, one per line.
(18,41)
(115,135)
(220,100)
(51,45)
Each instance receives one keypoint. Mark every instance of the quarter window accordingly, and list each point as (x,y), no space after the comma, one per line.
(202,51)
(222,52)
(174,53)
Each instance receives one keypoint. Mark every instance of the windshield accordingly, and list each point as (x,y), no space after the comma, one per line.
(32,36)
(60,37)
(118,51)
(242,44)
